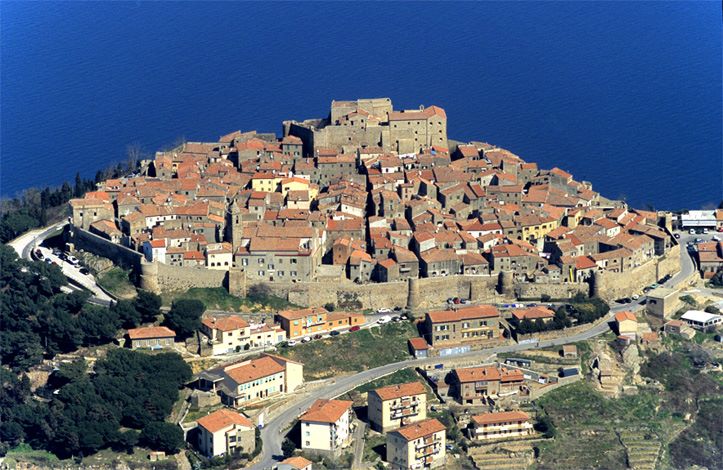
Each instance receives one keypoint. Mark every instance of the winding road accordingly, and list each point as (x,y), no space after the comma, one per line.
(275,430)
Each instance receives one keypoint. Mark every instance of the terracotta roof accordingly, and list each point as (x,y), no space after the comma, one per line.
(469,313)
(501,417)
(147,332)
(473,374)
(624,316)
(420,429)
(326,411)
(223,418)
(254,369)
(400,390)
(297,462)
(301,313)
(533,313)
(230,323)
(419,344)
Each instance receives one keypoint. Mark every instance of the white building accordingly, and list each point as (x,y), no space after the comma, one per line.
(701,320)
(326,426)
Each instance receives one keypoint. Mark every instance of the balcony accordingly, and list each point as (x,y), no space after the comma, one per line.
(403,413)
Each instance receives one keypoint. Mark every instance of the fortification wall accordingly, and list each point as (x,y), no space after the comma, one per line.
(178,278)
(120,255)
(617,285)
(535,290)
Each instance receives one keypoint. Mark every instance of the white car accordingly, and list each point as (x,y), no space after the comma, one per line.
(306,340)
(291,343)
(384,310)
(705,230)
(73,260)
(383,320)
(715,238)
(636,297)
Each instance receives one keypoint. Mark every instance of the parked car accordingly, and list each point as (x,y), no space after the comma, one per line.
(705,230)
(383,320)
(395,319)
(456,300)
(691,231)
(384,310)
(318,336)
(49,261)
(398,308)
(334,333)
(291,343)
(636,296)
(56,252)
(715,238)
(355,328)
(38,254)
(306,339)
(676,235)
(465,301)
(84,271)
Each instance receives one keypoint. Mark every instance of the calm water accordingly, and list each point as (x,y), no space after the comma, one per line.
(627,95)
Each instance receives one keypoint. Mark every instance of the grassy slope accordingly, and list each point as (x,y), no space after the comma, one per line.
(353,352)
(117,282)
(218,298)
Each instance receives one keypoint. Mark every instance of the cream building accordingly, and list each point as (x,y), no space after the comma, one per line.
(253,380)
(219,256)
(502,425)
(225,432)
(397,405)
(226,334)
(326,426)
(419,445)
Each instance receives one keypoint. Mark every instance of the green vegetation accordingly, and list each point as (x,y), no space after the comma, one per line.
(586,426)
(218,298)
(117,281)
(374,446)
(398,377)
(353,352)
(702,443)
(84,413)
(184,317)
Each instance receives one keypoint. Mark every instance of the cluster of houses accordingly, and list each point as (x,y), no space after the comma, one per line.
(370,194)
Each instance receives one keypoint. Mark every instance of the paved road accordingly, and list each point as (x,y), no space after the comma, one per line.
(274,431)
(25,244)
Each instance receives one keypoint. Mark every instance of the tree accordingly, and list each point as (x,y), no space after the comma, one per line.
(163,436)
(288,447)
(185,317)
(99,324)
(125,441)
(148,305)
(127,314)
(526,326)
(259,292)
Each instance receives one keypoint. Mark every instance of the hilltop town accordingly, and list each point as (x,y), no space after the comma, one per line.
(361,292)
(368,194)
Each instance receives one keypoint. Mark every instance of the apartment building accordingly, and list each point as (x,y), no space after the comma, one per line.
(226,334)
(326,426)
(225,432)
(470,325)
(396,406)
(253,380)
(417,446)
(476,385)
(303,322)
(501,425)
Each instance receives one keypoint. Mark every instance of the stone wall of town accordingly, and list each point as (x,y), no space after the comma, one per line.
(178,278)
(120,255)
(612,286)
(535,290)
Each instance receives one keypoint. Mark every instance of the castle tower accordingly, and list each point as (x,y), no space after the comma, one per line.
(413,294)
(237,282)
(506,284)
(235,223)
(149,277)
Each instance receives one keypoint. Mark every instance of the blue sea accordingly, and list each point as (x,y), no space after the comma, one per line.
(624,94)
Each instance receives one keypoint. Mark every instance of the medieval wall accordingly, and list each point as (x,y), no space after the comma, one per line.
(535,290)
(617,285)
(178,278)
(120,255)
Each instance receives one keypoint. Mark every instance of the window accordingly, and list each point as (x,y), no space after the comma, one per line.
(262,273)
(261,261)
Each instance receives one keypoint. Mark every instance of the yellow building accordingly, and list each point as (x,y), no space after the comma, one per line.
(296,183)
(627,324)
(303,322)
(265,182)
(502,425)
(326,426)
(397,405)
(535,228)
(419,445)
(226,334)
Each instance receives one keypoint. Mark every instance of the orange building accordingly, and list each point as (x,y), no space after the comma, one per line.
(303,322)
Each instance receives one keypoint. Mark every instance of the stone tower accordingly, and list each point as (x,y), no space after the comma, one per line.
(236,225)
(506,284)
(149,276)
(413,294)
